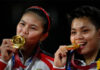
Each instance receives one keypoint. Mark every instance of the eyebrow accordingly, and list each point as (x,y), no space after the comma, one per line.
(22,21)
(80,28)
(30,24)
(83,27)
(34,25)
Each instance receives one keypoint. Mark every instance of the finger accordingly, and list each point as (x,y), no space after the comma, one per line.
(63,48)
(7,56)
(10,49)
(63,53)
(59,54)
(4,41)
(10,42)
(0,47)
(64,60)
(9,45)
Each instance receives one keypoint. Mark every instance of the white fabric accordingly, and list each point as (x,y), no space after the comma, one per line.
(58,67)
(36,64)
(82,64)
(3,61)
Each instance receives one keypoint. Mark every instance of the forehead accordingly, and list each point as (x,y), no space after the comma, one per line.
(32,18)
(81,22)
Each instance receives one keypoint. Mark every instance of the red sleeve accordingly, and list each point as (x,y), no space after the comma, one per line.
(57,69)
(2,65)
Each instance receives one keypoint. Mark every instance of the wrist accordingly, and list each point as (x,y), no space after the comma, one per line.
(4,60)
(59,67)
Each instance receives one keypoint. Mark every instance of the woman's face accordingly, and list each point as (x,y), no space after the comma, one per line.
(83,32)
(31,28)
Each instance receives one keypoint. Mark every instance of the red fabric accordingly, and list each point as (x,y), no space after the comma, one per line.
(2,65)
(40,8)
(57,69)
(81,67)
(44,58)
(48,63)
(18,63)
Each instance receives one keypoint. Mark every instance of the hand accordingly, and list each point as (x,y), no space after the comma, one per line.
(60,56)
(7,50)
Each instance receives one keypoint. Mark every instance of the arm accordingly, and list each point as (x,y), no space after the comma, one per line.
(3,64)
(6,51)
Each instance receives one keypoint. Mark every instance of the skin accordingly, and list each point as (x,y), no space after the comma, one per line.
(83,32)
(31,28)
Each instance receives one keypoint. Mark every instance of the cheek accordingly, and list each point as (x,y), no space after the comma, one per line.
(19,29)
(72,39)
(33,38)
(34,35)
(89,36)
(92,41)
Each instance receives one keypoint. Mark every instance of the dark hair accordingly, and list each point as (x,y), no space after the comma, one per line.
(42,13)
(91,12)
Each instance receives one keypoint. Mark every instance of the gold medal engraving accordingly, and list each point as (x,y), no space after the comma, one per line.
(18,41)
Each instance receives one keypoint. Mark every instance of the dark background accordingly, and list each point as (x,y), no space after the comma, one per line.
(10,12)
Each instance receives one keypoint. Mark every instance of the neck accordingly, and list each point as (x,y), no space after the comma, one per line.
(28,52)
(91,57)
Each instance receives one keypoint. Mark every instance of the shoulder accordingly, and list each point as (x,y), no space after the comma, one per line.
(46,60)
(46,57)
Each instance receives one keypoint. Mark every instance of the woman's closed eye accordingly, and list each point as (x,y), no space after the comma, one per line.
(33,28)
(23,24)
(73,32)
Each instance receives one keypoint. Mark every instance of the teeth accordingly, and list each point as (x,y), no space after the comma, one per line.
(81,43)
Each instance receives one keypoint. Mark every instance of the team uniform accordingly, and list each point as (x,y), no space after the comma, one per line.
(79,63)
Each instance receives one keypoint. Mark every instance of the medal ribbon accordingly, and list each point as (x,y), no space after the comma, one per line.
(82,67)
(17,62)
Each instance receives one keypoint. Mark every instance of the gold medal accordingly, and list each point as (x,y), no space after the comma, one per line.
(18,41)
(98,64)
(73,46)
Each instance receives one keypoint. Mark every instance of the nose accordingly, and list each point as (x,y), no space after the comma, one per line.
(79,36)
(24,31)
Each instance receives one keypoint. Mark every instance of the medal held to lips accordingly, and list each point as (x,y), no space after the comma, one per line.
(98,64)
(73,46)
(18,41)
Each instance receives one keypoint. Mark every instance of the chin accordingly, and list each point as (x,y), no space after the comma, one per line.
(83,52)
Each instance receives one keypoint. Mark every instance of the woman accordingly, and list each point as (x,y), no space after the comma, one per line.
(33,26)
(85,32)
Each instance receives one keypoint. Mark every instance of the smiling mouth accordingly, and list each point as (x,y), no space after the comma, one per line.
(77,46)
(82,45)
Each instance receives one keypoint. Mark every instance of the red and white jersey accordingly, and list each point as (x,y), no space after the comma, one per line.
(38,62)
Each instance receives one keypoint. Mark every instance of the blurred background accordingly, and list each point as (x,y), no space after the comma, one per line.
(10,12)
